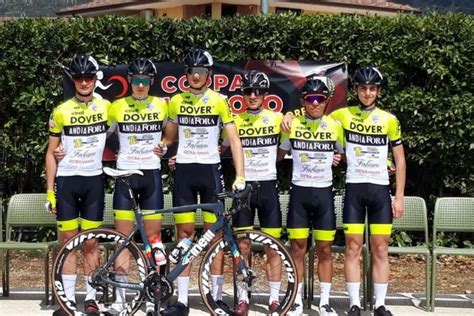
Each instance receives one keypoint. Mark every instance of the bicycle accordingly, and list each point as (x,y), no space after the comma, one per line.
(144,281)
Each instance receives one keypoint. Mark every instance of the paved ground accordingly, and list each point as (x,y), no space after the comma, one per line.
(30,303)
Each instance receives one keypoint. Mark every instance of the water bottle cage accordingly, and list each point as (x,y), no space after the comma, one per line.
(154,250)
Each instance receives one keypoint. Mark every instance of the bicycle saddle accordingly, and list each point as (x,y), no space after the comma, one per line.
(121,173)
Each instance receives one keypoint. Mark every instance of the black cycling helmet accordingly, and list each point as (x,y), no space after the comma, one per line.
(83,65)
(367,75)
(198,57)
(318,84)
(142,66)
(255,80)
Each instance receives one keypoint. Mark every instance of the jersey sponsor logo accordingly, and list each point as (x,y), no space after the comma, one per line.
(84,130)
(203,121)
(137,117)
(149,127)
(80,142)
(373,140)
(312,145)
(374,129)
(200,245)
(87,119)
(313,135)
(256,131)
(260,141)
(195,109)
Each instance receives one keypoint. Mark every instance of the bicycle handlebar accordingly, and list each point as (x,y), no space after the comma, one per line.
(236,194)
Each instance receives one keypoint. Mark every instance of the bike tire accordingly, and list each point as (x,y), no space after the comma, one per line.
(107,239)
(258,298)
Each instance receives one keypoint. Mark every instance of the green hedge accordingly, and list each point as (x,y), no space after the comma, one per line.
(427,61)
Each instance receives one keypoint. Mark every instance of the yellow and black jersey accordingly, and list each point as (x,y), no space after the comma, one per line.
(82,128)
(199,118)
(139,125)
(367,138)
(312,143)
(259,134)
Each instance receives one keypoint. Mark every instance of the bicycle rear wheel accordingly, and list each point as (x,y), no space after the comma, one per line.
(71,263)
(258,290)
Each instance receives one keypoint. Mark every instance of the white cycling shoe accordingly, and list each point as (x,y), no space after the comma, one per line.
(296,310)
(327,310)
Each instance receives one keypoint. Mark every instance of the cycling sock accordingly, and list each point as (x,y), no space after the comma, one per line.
(242,292)
(353,290)
(299,295)
(325,290)
(274,290)
(119,291)
(183,286)
(217,284)
(90,291)
(69,283)
(380,291)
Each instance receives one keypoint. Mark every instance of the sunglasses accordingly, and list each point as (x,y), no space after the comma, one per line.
(140,80)
(257,92)
(315,97)
(197,70)
(87,79)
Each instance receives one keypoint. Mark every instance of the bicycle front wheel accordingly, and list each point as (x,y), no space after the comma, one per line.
(82,271)
(269,289)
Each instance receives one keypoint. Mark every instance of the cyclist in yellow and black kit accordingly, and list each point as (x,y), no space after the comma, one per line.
(79,125)
(369,134)
(313,139)
(259,132)
(139,121)
(196,117)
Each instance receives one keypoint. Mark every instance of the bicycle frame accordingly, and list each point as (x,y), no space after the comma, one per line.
(220,225)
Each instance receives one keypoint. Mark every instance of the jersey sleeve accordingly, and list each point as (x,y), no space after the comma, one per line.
(56,123)
(285,141)
(224,111)
(111,114)
(108,106)
(394,131)
(336,115)
(172,109)
(166,109)
(340,141)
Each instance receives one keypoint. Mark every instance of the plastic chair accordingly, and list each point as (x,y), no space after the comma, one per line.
(26,210)
(451,214)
